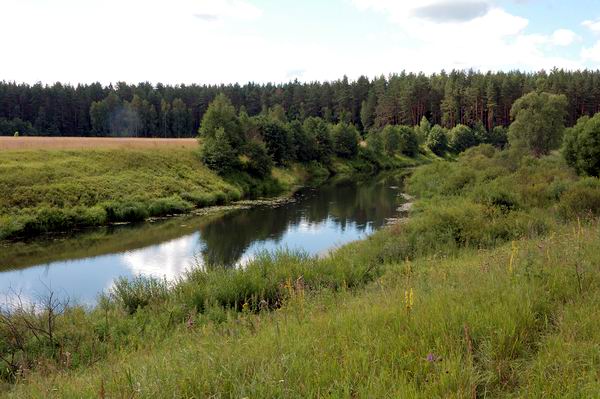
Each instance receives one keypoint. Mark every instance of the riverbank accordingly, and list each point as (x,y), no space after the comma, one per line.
(53,191)
(484,291)
(502,322)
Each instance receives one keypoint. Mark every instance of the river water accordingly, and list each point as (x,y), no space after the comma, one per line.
(82,265)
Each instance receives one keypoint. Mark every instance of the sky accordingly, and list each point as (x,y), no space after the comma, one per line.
(229,41)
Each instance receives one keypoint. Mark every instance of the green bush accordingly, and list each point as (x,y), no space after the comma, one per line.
(391,139)
(437,140)
(345,140)
(409,144)
(581,199)
(539,122)
(259,162)
(218,154)
(581,146)
(461,138)
(278,140)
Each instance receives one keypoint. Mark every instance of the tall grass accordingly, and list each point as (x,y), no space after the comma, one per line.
(474,329)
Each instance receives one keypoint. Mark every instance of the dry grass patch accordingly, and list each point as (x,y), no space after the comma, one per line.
(73,143)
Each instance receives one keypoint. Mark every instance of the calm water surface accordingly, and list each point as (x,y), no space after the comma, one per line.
(80,267)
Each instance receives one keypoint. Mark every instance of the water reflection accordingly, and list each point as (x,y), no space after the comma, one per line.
(80,267)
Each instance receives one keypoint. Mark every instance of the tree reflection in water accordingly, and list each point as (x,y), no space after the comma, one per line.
(364,203)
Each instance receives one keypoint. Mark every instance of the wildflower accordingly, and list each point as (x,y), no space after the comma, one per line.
(190,321)
(432,358)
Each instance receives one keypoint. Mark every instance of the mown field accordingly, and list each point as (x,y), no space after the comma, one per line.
(490,289)
(73,143)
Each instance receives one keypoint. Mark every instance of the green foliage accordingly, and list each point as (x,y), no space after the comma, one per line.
(462,138)
(409,144)
(217,153)
(16,126)
(445,301)
(471,295)
(321,131)
(278,139)
(259,162)
(161,110)
(125,211)
(582,199)
(391,139)
(221,116)
(367,111)
(422,130)
(498,137)
(345,140)
(180,118)
(375,142)
(169,206)
(277,113)
(305,142)
(437,140)
(539,122)
(581,146)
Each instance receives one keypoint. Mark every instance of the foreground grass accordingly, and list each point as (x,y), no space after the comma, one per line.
(513,321)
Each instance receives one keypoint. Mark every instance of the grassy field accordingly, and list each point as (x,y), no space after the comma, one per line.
(98,181)
(485,291)
(58,190)
(78,143)
(64,189)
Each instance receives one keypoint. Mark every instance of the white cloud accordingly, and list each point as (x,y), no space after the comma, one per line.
(169,259)
(591,53)
(133,40)
(237,9)
(594,26)
(563,37)
(223,41)
(493,40)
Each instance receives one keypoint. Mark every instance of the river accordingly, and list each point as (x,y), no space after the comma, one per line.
(81,265)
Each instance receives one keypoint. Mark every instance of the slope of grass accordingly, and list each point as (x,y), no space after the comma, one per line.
(44,191)
(58,190)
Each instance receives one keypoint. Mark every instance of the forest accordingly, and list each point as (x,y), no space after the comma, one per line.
(145,110)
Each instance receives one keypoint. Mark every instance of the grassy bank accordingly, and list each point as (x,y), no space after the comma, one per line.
(490,289)
(47,191)
(508,322)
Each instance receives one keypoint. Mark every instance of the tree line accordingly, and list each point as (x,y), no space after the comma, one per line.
(467,98)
